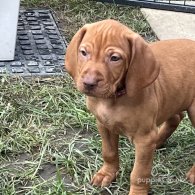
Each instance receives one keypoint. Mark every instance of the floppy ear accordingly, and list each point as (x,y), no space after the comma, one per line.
(71,58)
(143,69)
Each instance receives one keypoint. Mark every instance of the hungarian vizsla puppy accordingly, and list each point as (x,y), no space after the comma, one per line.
(132,88)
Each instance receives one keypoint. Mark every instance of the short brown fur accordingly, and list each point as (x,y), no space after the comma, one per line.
(105,59)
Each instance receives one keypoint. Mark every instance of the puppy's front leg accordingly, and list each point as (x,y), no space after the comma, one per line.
(109,170)
(145,145)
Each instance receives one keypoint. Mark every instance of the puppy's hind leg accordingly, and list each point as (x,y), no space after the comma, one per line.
(191,113)
(167,128)
(191,173)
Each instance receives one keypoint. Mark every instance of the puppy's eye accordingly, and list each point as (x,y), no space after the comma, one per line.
(83,52)
(115,58)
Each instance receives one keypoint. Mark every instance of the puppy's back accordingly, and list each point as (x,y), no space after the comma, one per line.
(175,85)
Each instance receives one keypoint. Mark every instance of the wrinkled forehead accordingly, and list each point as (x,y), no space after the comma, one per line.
(103,35)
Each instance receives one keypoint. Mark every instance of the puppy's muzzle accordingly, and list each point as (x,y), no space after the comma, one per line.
(90,83)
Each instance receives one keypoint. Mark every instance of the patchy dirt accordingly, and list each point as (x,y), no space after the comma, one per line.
(49,172)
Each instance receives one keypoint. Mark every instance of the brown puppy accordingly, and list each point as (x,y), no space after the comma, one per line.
(132,87)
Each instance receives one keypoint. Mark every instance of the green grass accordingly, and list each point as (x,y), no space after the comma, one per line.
(48,141)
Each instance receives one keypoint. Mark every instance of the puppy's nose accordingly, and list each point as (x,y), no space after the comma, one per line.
(90,83)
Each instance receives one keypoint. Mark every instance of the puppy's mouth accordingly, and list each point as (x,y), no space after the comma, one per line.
(89,93)
(120,91)
(103,91)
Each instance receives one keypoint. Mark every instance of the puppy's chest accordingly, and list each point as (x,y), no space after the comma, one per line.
(106,116)
(109,116)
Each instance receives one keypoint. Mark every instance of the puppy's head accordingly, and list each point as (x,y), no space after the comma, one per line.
(106,58)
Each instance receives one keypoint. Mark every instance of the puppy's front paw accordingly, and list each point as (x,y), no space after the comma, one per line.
(191,175)
(138,191)
(104,177)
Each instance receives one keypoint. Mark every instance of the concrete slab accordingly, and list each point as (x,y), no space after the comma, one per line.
(169,24)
